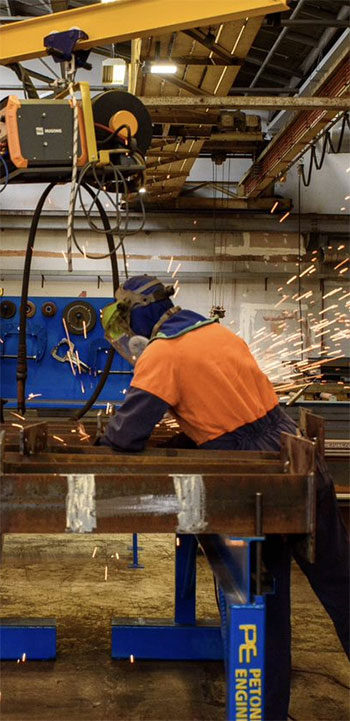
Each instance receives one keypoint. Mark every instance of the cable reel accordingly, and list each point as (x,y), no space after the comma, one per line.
(120,116)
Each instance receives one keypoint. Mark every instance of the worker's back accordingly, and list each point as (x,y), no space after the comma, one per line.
(209,378)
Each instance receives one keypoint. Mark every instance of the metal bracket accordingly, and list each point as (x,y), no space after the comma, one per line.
(33,439)
(298,454)
(313,428)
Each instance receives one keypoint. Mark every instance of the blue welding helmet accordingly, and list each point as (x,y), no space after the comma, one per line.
(130,321)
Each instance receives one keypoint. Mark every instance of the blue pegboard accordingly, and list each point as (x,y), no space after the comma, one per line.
(59,388)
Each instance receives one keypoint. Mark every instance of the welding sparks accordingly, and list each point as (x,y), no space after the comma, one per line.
(341,263)
(106,573)
(332,292)
(281,301)
(170,263)
(13,413)
(306,271)
(84,329)
(284,217)
(33,395)
(94,552)
(290,280)
(58,438)
(132,658)
(275,205)
(329,308)
(175,271)
(17,425)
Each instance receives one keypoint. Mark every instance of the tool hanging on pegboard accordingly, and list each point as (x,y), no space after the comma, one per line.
(80,317)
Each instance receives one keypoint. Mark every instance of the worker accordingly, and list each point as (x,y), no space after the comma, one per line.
(207,378)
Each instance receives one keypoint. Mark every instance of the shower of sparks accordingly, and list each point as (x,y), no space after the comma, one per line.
(33,395)
(94,552)
(170,263)
(84,329)
(106,573)
(17,425)
(58,438)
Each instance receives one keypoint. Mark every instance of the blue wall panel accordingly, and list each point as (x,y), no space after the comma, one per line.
(59,388)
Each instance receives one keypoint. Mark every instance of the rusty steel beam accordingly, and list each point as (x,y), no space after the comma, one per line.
(74,463)
(231,102)
(36,503)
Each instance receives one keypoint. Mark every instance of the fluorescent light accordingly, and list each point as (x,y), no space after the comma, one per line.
(163,68)
(113,71)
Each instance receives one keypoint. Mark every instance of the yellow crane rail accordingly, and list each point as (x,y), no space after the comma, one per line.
(105,23)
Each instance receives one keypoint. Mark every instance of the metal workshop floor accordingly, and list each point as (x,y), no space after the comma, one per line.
(57,576)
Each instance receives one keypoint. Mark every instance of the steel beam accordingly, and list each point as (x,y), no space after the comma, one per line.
(295,138)
(126,19)
(36,503)
(234,103)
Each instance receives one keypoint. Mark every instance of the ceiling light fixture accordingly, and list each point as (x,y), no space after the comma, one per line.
(160,68)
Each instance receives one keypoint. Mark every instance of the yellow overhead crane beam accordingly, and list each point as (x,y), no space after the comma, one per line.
(109,22)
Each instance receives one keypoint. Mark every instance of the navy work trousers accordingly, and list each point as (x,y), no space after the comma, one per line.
(328,576)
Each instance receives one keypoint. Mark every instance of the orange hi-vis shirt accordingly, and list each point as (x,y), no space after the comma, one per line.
(210,380)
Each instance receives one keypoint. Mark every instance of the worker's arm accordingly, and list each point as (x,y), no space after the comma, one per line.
(133,423)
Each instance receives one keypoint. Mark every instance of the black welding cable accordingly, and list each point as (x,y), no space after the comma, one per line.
(21,374)
(115,278)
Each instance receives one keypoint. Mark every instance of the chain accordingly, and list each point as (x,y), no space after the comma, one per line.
(71,75)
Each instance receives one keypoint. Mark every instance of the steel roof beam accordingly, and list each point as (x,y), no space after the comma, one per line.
(126,19)
(231,102)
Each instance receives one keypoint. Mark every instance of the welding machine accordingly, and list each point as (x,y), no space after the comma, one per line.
(36,136)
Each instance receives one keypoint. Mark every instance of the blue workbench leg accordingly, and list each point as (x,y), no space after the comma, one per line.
(181,639)
(185,579)
(245,673)
(135,548)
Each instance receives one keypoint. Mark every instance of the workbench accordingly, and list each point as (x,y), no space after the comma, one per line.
(54,481)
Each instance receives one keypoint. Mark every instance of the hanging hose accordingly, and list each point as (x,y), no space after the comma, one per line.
(22,344)
(21,374)
(115,278)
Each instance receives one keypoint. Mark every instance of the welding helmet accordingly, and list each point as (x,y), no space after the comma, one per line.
(130,321)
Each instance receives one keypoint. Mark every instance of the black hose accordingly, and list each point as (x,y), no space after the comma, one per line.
(115,277)
(21,374)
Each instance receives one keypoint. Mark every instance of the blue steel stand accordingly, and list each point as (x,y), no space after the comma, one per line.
(135,548)
(30,639)
(239,641)
(182,639)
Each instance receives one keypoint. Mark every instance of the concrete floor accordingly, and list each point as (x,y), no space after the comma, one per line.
(57,576)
